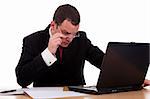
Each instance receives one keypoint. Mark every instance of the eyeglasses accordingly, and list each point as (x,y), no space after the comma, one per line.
(71,35)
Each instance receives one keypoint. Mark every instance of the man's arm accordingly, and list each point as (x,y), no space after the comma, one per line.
(94,55)
(31,64)
(33,61)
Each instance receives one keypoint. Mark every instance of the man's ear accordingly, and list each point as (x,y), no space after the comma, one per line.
(53,26)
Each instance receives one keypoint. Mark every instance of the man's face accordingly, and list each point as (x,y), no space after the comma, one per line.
(68,30)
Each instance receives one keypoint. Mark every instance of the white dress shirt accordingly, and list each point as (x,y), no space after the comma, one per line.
(47,56)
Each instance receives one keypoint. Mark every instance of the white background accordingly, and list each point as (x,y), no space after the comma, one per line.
(103,20)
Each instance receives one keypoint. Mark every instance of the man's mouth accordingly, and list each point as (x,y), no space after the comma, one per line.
(66,43)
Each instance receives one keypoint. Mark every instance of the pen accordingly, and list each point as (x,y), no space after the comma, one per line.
(7,91)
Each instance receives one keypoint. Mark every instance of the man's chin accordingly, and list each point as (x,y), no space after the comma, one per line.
(64,45)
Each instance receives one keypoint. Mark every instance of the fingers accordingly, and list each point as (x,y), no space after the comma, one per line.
(54,42)
(146,83)
(58,35)
(57,41)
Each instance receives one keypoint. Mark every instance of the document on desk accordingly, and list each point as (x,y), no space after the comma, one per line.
(51,92)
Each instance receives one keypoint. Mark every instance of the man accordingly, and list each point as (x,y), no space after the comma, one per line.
(56,56)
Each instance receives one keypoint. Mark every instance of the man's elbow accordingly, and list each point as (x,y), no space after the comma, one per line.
(21,80)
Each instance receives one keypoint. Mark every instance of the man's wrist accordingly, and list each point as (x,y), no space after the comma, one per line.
(48,57)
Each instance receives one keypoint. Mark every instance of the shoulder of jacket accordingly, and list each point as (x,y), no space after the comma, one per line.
(82,33)
(36,35)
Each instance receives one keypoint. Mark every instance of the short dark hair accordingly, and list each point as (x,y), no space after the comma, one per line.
(66,12)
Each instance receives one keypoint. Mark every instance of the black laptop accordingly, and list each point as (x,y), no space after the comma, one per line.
(124,68)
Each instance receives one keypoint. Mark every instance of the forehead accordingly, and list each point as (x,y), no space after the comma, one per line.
(69,27)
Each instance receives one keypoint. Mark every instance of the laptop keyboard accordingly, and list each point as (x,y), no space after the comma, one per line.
(90,88)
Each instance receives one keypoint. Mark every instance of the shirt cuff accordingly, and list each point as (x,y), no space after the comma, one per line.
(48,57)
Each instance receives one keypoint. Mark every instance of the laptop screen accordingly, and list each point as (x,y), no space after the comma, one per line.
(125,64)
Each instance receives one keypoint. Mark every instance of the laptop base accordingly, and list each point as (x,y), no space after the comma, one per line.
(93,89)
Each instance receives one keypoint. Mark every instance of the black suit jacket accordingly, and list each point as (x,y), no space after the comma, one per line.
(32,68)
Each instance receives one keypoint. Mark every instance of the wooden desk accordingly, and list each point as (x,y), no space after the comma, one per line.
(142,94)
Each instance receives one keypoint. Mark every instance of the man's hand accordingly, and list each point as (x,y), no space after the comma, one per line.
(54,42)
(146,83)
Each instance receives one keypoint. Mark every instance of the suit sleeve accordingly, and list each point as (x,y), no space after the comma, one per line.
(94,55)
(30,64)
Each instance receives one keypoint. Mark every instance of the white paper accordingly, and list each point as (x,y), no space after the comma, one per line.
(45,88)
(54,92)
